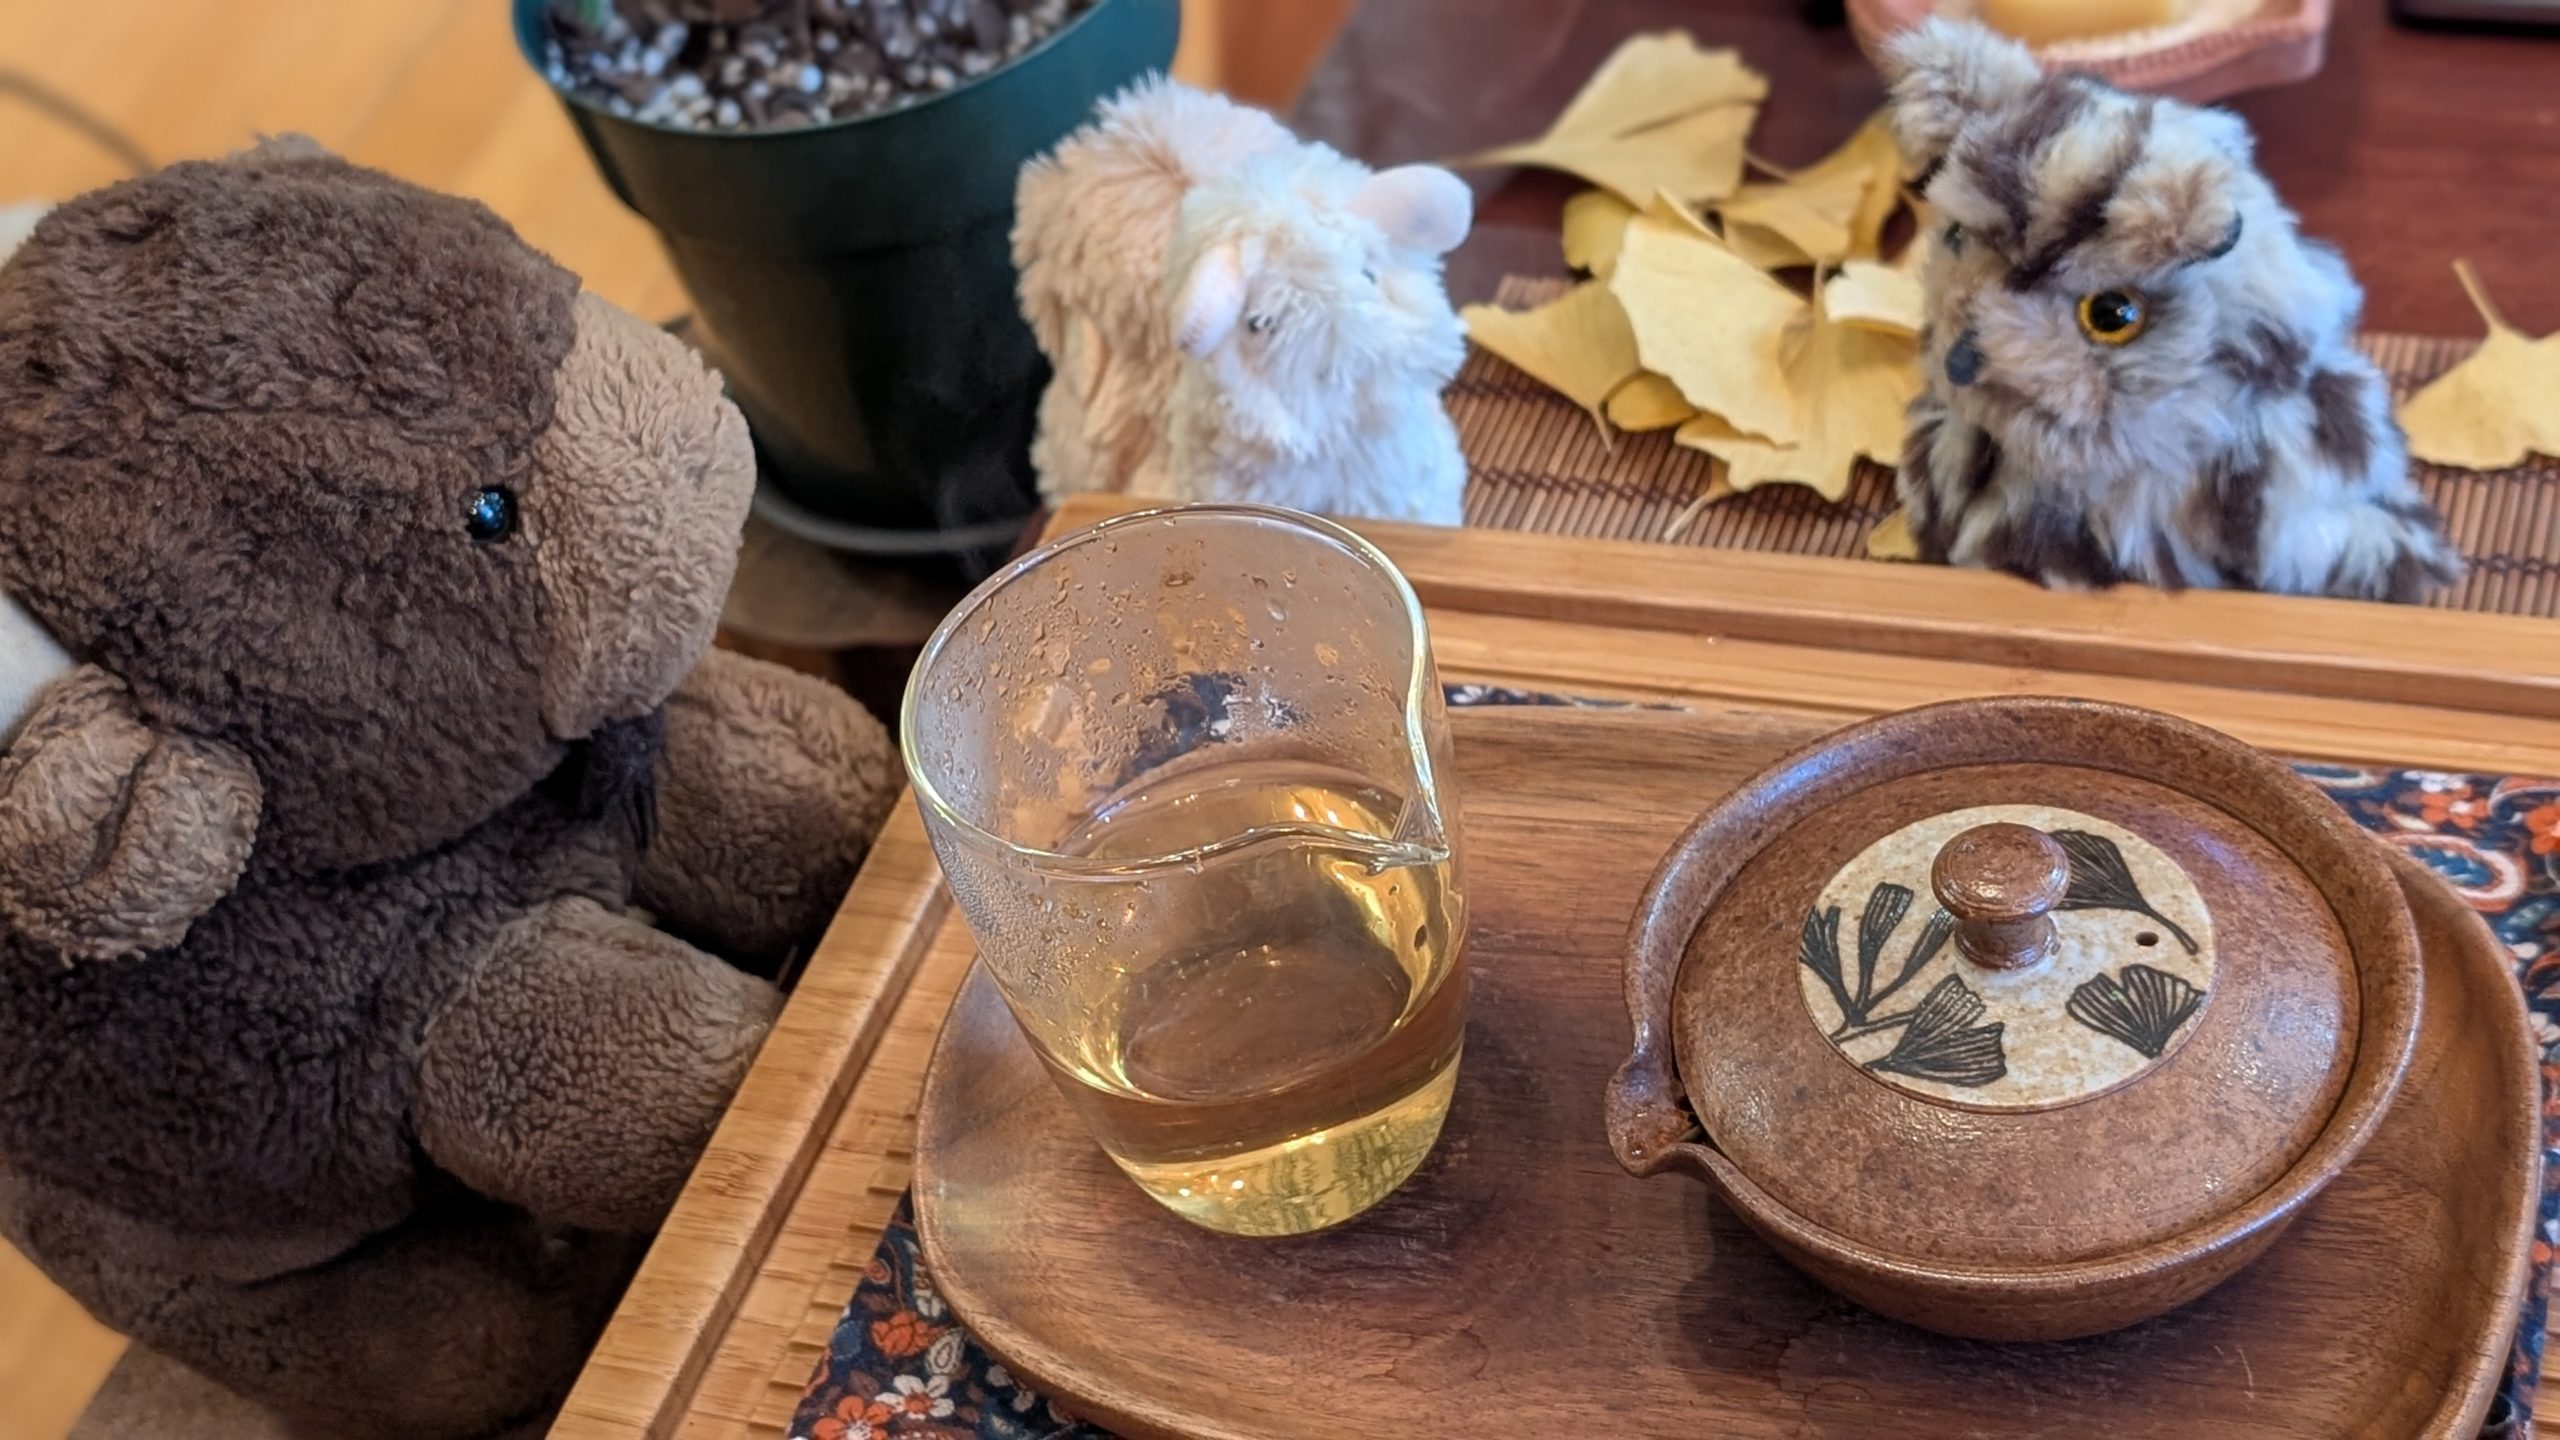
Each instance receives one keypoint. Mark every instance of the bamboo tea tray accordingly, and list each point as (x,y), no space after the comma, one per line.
(1521,1272)
(1499,1244)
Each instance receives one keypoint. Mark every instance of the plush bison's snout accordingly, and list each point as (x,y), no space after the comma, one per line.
(643,482)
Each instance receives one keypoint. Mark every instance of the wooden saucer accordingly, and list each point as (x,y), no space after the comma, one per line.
(1523,1281)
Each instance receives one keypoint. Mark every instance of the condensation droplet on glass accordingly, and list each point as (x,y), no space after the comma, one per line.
(1327,654)
(1101,666)
(1278,610)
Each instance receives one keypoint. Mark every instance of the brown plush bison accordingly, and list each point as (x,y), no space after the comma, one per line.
(360,573)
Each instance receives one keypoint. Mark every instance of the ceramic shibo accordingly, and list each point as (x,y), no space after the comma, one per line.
(2137,369)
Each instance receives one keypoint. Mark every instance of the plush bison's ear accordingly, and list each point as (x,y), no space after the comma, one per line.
(1420,207)
(1210,300)
(115,836)
(1945,72)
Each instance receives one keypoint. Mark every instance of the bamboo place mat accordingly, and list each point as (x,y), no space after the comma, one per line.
(1539,464)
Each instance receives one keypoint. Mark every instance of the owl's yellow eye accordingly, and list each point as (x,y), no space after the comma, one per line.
(2113,317)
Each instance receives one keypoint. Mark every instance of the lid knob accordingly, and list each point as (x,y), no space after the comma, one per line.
(2001,882)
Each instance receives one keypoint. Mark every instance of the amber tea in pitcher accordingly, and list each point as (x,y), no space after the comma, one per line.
(1287,1065)
(1239,941)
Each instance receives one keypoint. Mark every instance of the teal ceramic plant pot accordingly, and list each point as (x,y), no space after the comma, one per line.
(854,281)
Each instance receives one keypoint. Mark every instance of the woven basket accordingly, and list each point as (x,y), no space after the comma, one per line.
(2281,42)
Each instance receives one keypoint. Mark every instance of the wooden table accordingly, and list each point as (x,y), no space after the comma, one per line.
(2410,148)
(735,1303)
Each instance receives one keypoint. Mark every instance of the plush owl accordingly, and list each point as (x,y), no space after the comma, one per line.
(2137,369)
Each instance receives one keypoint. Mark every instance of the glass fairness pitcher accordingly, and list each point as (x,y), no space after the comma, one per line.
(1186,773)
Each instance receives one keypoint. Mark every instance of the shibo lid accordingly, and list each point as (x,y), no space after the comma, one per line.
(2029,982)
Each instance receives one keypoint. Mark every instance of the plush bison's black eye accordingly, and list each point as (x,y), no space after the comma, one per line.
(491,514)
(1954,238)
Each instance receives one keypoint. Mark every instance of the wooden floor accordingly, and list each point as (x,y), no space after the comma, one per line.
(432,90)
(52,1355)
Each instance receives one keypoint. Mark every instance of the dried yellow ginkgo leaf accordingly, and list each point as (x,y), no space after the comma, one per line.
(1872,150)
(1698,156)
(1711,324)
(2488,411)
(1878,297)
(1672,211)
(1577,344)
(1659,114)
(1648,402)
(1655,77)
(1807,217)
(1763,249)
(1832,210)
(1855,384)
(1595,224)
(1714,490)
(1891,539)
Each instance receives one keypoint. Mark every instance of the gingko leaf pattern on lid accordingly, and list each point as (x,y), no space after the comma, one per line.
(1943,1043)
(1885,909)
(2141,1006)
(2101,880)
(2130,972)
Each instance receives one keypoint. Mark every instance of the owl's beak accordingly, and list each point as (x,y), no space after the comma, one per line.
(1964,360)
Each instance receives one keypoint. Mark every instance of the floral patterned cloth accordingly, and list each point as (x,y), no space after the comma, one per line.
(2496,841)
(900,1366)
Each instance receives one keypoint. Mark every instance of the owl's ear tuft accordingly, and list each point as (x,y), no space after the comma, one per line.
(1944,72)
(2179,206)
